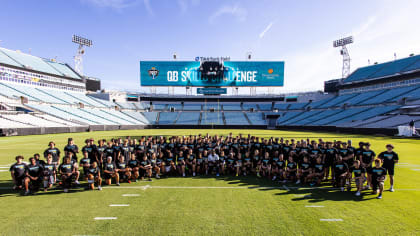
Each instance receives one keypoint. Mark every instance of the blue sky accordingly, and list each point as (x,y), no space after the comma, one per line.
(298,32)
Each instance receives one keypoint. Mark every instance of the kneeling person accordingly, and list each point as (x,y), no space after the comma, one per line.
(94,176)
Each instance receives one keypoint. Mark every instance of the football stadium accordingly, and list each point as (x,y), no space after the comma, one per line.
(129,132)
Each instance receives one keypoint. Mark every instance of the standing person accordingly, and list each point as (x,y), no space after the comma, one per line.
(412,128)
(55,153)
(389,159)
(90,148)
(378,178)
(330,156)
(66,170)
(71,147)
(85,164)
(33,176)
(367,159)
(17,171)
(341,172)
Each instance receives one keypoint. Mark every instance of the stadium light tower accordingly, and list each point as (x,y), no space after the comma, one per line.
(78,59)
(344,52)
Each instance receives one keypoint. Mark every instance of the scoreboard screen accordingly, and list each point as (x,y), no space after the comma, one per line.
(212,73)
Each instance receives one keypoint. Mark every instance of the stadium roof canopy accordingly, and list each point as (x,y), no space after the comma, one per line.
(30,62)
(384,70)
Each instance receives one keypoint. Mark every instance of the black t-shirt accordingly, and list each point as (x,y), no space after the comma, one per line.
(319,168)
(19,169)
(109,152)
(133,163)
(340,168)
(66,168)
(73,149)
(34,170)
(330,155)
(85,161)
(265,162)
(367,156)
(291,165)
(91,152)
(55,152)
(388,158)
(281,164)
(49,169)
(109,167)
(305,166)
(378,172)
(93,171)
(144,163)
(357,172)
(121,165)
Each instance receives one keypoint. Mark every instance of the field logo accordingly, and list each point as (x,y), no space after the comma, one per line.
(270,71)
(153,72)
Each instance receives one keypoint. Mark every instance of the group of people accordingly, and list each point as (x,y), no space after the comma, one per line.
(298,161)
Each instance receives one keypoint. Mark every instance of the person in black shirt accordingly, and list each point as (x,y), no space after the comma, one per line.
(71,147)
(291,169)
(133,164)
(94,176)
(180,163)
(378,178)
(18,172)
(367,159)
(49,173)
(90,148)
(110,171)
(304,170)
(358,173)
(317,173)
(66,170)
(341,172)
(37,159)
(85,163)
(122,168)
(55,152)
(145,168)
(33,176)
(330,156)
(389,159)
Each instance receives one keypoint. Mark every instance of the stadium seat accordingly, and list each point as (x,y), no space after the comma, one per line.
(235,118)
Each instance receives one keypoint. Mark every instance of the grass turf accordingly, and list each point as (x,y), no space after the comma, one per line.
(241,207)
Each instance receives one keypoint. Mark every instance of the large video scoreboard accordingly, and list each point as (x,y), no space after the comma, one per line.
(212,73)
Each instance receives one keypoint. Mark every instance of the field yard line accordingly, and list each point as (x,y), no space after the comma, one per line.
(313,206)
(131,195)
(416,169)
(331,219)
(4,167)
(146,187)
(119,205)
(3,170)
(105,218)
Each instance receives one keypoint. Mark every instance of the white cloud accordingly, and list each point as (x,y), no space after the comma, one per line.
(148,7)
(267,28)
(115,4)
(236,11)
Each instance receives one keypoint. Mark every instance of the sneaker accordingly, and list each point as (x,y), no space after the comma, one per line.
(391,189)
(284,181)
(26,193)
(237,174)
(342,189)
(357,193)
(258,175)
(298,182)
(193,173)
(129,181)
(183,175)
(77,182)
(217,174)
(244,173)
(118,184)
(157,176)
(379,196)
(99,188)
(66,190)
(274,178)
(150,180)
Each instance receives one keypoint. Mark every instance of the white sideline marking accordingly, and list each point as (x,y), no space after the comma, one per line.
(119,205)
(146,187)
(313,206)
(286,188)
(131,195)
(3,170)
(4,167)
(412,169)
(105,218)
(331,219)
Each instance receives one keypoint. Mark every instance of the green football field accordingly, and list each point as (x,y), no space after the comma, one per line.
(211,205)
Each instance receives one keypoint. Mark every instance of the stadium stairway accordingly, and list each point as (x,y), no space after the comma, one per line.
(247,118)
(15,92)
(49,94)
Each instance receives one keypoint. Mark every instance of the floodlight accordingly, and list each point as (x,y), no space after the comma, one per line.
(343,41)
